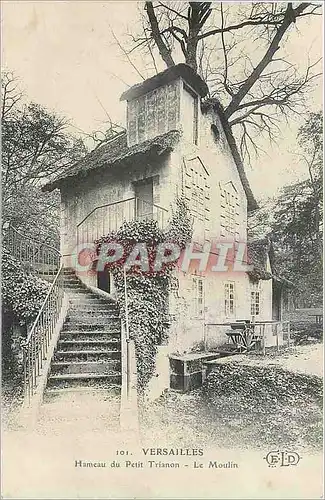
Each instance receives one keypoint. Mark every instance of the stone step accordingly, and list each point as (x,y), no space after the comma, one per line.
(51,395)
(92,305)
(93,333)
(90,345)
(71,278)
(90,298)
(89,335)
(83,301)
(103,326)
(76,367)
(77,291)
(88,321)
(84,380)
(87,355)
(92,312)
(69,270)
(74,285)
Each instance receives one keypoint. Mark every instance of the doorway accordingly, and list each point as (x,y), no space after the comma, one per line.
(143,191)
(276,301)
(104,280)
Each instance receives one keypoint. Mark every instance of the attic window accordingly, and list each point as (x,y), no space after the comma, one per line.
(190,115)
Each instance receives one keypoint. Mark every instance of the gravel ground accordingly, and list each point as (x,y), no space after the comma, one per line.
(307,359)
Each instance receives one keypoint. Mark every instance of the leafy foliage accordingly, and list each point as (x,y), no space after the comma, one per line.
(293,220)
(261,385)
(297,225)
(147,291)
(22,292)
(22,296)
(277,405)
(36,144)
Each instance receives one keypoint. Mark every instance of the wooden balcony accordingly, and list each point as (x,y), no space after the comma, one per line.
(104,219)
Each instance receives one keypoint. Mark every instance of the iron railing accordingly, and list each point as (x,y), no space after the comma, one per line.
(46,262)
(109,217)
(35,256)
(35,349)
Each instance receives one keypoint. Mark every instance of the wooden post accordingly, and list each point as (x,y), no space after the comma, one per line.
(127,335)
(263,339)
(288,335)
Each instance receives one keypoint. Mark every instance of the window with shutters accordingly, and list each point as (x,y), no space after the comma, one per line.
(197,193)
(255,300)
(229,211)
(229,291)
(198,296)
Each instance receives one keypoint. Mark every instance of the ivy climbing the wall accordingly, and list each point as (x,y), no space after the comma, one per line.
(148,291)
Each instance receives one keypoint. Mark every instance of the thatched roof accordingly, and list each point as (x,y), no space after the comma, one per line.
(258,252)
(179,70)
(117,152)
(216,105)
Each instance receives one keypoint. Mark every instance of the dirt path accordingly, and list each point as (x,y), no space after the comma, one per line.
(307,359)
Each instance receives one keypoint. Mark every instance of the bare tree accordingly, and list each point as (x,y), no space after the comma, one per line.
(256,83)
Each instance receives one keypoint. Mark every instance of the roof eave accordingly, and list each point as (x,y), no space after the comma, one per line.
(179,70)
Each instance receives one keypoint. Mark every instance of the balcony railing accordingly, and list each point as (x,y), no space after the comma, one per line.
(104,219)
(260,330)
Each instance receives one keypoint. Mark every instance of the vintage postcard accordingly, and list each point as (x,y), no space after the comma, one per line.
(162,243)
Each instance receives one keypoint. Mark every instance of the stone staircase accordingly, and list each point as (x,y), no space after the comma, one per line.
(88,353)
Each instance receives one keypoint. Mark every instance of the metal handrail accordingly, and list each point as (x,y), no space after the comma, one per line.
(50,247)
(36,346)
(117,203)
(109,217)
(39,337)
(38,255)
(45,301)
(103,206)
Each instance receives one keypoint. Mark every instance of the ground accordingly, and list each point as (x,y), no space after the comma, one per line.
(306,359)
(41,464)
(234,421)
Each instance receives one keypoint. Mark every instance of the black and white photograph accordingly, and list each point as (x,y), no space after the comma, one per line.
(162,249)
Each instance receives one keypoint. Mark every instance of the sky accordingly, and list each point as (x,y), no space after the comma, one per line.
(67,59)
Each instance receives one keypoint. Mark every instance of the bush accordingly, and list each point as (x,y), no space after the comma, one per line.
(22,292)
(261,386)
(22,296)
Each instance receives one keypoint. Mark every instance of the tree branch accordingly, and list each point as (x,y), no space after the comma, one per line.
(164,51)
(289,18)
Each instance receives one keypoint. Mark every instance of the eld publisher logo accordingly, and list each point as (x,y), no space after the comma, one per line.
(282,458)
